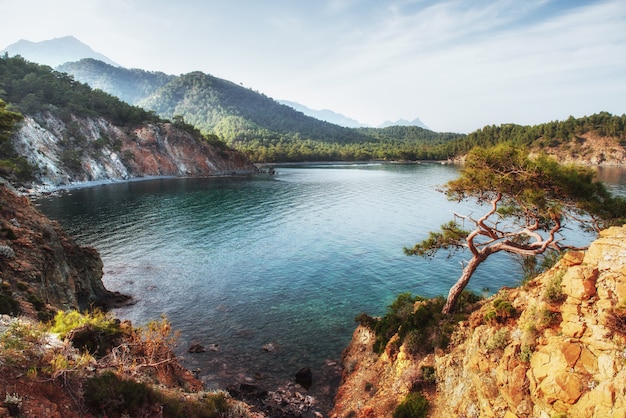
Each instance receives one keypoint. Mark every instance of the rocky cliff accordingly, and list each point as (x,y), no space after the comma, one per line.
(555,347)
(589,149)
(92,149)
(41,267)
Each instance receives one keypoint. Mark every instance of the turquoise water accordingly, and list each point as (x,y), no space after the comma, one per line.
(288,259)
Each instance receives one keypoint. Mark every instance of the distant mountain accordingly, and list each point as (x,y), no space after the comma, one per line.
(404,122)
(54,52)
(130,85)
(325,115)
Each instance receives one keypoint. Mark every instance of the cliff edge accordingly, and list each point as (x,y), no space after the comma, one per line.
(88,149)
(41,267)
(555,347)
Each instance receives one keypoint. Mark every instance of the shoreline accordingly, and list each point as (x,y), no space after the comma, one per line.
(46,189)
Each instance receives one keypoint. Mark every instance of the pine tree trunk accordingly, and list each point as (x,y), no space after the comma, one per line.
(458,287)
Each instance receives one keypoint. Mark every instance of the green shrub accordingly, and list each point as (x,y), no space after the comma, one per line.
(8,304)
(499,339)
(554,292)
(109,395)
(414,405)
(101,328)
(37,303)
(501,311)
(526,353)
(413,341)
(421,326)
(429,375)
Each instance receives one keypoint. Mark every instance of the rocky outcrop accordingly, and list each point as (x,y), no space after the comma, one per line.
(41,265)
(561,353)
(93,149)
(589,149)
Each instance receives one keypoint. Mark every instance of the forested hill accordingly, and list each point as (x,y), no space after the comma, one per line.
(72,133)
(596,139)
(250,121)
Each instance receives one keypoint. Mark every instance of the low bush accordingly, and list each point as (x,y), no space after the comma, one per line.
(498,340)
(414,405)
(8,304)
(418,322)
(96,331)
(501,310)
(109,395)
(554,292)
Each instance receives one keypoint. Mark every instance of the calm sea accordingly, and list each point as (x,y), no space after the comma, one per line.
(288,259)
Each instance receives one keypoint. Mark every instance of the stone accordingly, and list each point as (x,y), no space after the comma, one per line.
(573,329)
(587,362)
(570,353)
(573,258)
(196,348)
(565,387)
(579,282)
(607,366)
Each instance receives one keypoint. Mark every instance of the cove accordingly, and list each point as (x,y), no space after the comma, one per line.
(288,259)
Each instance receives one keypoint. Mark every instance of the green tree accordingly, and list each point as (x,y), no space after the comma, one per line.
(528,203)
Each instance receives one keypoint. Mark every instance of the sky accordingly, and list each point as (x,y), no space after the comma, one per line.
(457,65)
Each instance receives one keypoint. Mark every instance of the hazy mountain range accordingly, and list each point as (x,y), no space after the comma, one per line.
(58,51)
(54,52)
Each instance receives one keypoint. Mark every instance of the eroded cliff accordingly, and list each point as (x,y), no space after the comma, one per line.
(41,267)
(93,149)
(554,347)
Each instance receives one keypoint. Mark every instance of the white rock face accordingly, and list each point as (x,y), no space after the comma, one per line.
(94,150)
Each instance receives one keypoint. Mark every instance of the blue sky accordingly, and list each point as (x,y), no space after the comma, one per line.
(457,65)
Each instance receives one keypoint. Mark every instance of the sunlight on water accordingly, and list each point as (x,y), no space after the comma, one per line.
(289,259)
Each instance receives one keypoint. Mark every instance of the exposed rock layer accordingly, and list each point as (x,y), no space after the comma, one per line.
(563,352)
(93,149)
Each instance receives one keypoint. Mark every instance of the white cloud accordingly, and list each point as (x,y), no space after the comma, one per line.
(457,65)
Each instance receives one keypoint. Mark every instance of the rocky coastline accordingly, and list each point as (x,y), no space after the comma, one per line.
(558,351)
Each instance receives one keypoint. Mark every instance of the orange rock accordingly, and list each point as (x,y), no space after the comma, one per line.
(573,258)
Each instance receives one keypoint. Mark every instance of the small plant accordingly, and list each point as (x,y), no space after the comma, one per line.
(414,405)
(95,331)
(62,364)
(413,342)
(500,312)
(498,340)
(526,353)
(554,292)
(616,320)
(429,375)
(37,303)
(548,318)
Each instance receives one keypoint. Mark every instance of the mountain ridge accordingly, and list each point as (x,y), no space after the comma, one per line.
(54,52)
